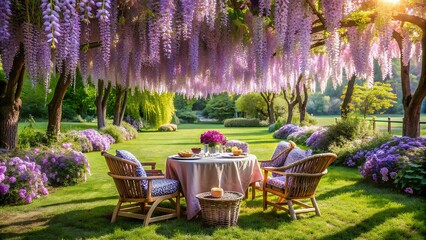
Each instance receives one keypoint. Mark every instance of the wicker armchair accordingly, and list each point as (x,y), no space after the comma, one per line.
(278,159)
(299,180)
(142,193)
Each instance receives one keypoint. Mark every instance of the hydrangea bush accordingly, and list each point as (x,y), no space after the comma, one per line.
(21,180)
(99,142)
(285,130)
(316,139)
(303,133)
(399,162)
(63,167)
(137,124)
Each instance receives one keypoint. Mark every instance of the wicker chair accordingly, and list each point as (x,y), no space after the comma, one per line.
(278,159)
(298,181)
(143,200)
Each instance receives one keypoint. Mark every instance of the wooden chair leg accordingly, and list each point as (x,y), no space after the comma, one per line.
(178,205)
(151,211)
(291,209)
(116,210)
(253,191)
(314,203)
(265,198)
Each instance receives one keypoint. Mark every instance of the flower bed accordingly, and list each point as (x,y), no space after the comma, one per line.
(63,167)
(285,130)
(21,180)
(99,141)
(399,162)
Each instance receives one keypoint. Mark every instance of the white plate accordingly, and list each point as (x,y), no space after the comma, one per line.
(229,155)
(185,158)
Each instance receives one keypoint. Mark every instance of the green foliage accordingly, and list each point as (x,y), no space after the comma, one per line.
(369,100)
(33,100)
(241,122)
(30,137)
(350,148)
(167,128)
(131,131)
(281,121)
(79,142)
(186,116)
(115,132)
(183,103)
(349,129)
(251,104)
(320,104)
(413,174)
(175,119)
(156,109)
(220,107)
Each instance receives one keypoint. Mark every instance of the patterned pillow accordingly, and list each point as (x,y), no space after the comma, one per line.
(140,172)
(279,161)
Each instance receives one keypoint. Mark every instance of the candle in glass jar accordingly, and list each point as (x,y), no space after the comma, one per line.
(216,192)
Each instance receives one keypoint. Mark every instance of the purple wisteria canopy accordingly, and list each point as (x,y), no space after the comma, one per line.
(199,47)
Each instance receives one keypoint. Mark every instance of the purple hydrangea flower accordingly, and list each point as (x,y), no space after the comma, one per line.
(4,188)
(409,190)
(22,193)
(12,179)
(384,171)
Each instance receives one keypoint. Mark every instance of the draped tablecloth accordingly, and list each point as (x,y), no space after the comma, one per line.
(200,175)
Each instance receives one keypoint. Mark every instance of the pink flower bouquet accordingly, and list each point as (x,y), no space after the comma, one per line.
(212,138)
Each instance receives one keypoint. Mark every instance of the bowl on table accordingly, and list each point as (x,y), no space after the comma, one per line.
(196,150)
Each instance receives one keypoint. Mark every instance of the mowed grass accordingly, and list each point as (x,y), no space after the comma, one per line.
(351,208)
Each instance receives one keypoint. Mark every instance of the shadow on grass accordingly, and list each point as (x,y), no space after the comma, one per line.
(370,223)
(81,201)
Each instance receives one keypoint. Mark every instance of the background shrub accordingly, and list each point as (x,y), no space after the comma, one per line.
(115,132)
(131,132)
(241,122)
(285,130)
(186,116)
(167,128)
(78,140)
(346,130)
(279,123)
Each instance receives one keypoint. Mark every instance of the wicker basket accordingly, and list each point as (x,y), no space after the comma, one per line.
(221,212)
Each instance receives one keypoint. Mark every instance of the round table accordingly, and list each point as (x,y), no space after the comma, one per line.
(200,175)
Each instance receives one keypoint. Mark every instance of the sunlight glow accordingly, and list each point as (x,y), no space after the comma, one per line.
(391,1)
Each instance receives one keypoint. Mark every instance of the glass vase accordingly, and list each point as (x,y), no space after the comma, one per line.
(213,150)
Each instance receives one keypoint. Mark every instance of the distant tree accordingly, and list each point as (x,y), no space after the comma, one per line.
(318,104)
(252,104)
(369,100)
(220,106)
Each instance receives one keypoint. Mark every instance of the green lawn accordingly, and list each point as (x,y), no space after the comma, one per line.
(351,208)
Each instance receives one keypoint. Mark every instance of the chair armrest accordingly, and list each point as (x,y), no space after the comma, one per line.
(135,178)
(152,164)
(154,172)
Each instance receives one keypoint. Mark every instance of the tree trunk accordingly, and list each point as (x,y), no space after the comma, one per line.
(303,102)
(291,103)
(123,107)
(344,109)
(10,102)
(101,103)
(412,102)
(117,105)
(54,108)
(269,99)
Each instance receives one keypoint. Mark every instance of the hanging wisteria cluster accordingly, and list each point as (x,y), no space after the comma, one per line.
(198,47)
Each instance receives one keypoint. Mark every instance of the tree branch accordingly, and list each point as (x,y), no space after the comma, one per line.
(315,11)
(421,22)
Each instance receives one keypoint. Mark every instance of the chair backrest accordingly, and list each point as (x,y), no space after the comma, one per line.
(280,155)
(236,143)
(120,170)
(304,175)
